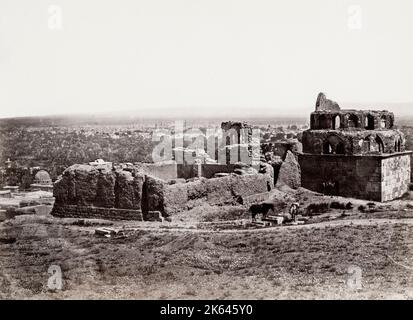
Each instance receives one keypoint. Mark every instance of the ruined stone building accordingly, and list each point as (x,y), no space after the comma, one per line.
(354,153)
(133,194)
(237,136)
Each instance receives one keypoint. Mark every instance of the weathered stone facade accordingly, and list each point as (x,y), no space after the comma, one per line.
(396,176)
(84,191)
(371,177)
(87,191)
(229,190)
(355,154)
(290,172)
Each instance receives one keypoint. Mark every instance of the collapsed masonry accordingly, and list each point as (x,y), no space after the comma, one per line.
(142,191)
(88,192)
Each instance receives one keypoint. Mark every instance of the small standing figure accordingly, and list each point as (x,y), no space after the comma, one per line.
(294,211)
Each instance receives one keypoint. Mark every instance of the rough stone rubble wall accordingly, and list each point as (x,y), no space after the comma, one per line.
(84,185)
(208,170)
(396,177)
(217,191)
(74,211)
(185,171)
(84,191)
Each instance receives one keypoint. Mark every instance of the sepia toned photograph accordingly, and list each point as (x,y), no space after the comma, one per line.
(206,150)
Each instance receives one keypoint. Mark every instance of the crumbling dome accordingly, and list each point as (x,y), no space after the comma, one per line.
(354,153)
(352,132)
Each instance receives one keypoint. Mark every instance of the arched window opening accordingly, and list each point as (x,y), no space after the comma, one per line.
(383,121)
(369,122)
(327,148)
(353,121)
(398,145)
(391,122)
(312,121)
(340,148)
(337,122)
(334,145)
(367,144)
(380,144)
(227,140)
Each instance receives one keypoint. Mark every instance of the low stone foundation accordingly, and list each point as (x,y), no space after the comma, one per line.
(74,211)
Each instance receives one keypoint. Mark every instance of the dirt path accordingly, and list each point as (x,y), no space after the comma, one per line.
(337,223)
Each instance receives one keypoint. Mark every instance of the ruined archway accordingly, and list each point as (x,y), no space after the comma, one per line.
(340,149)
(327,148)
(380,144)
(369,122)
(353,121)
(333,144)
(336,122)
(397,145)
(383,121)
(368,144)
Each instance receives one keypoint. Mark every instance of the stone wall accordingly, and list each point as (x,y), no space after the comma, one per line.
(165,171)
(84,185)
(187,171)
(281,148)
(208,170)
(89,192)
(75,211)
(228,190)
(356,176)
(395,177)
(84,191)
(153,194)
(289,173)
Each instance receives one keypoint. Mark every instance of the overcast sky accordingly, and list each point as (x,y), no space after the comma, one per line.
(202,55)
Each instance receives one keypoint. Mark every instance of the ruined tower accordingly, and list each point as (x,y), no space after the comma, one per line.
(237,136)
(354,153)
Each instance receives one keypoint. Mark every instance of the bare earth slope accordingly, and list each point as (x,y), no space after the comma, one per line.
(158,261)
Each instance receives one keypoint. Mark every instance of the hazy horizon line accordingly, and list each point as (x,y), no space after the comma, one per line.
(202,112)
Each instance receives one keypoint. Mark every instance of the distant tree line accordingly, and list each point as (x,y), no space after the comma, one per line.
(54,149)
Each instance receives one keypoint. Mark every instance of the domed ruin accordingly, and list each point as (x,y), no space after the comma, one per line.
(42,177)
(354,153)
